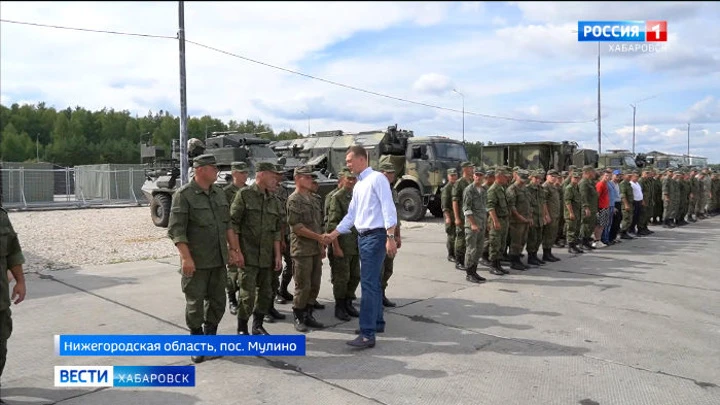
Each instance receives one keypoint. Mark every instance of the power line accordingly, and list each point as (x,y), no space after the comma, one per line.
(346,86)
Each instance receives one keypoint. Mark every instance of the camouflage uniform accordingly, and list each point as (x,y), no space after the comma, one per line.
(657,214)
(626,193)
(589,201)
(388,263)
(11,255)
(256,218)
(550,230)
(518,201)
(535,234)
(571,196)
(447,208)
(646,185)
(201,220)
(486,244)
(305,210)
(669,190)
(475,205)
(457,196)
(232,271)
(497,201)
(683,199)
(694,195)
(344,271)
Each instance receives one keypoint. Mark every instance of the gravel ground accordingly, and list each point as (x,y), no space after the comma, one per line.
(54,240)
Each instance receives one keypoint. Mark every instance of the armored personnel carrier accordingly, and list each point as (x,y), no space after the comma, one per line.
(421,163)
(163,173)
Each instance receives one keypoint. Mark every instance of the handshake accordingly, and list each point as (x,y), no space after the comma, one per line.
(328,238)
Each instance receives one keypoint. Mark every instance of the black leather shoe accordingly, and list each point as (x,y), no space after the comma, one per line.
(350,309)
(362,343)
(387,302)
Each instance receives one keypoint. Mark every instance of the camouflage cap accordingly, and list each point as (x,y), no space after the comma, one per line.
(467,164)
(516,168)
(636,172)
(267,167)
(241,167)
(451,171)
(303,170)
(588,169)
(523,174)
(204,160)
(576,174)
(387,167)
(479,170)
(539,173)
(571,168)
(345,172)
(490,173)
(564,173)
(552,172)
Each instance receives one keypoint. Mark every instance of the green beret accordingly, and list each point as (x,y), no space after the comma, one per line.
(480,171)
(451,171)
(387,167)
(467,164)
(204,160)
(267,167)
(239,167)
(303,170)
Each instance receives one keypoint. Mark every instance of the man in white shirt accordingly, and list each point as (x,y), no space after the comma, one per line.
(637,202)
(372,212)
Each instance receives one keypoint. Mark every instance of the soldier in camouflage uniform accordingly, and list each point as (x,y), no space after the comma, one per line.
(540,217)
(200,228)
(683,197)
(273,314)
(475,211)
(646,185)
(306,248)
(282,295)
(485,257)
(657,214)
(589,203)
(458,189)
(256,218)
(239,178)
(715,194)
(627,199)
(343,254)
(498,212)
(12,259)
(554,208)
(388,170)
(572,204)
(520,218)
(694,195)
(563,181)
(448,213)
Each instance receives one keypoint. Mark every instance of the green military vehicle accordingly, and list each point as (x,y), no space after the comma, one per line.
(621,159)
(421,163)
(162,172)
(544,155)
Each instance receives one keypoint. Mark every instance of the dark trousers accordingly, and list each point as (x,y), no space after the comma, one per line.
(616,219)
(637,214)
(372,256)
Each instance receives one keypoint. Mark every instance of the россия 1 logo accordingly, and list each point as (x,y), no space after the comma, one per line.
(622,31)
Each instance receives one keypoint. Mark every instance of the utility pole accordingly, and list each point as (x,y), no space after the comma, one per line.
(688,159)
(463,114)
(598,113)
(183,100)
(634,108)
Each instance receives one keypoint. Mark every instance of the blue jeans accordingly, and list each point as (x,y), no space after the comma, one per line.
(372,256)
(605,238)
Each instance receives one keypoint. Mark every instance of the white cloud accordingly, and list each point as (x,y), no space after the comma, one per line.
(433,83)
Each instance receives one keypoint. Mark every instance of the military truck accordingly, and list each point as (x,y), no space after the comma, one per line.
(162,172)
(544,155)
(621,159)
(421,163)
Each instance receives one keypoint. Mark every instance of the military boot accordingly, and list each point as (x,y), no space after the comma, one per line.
(386,302)
(472,276)
(350,309)
(552,256)
(460,261)
(587,244)
(257,326)
(242,328)
(317,305)
(299,320)
(573,248)
(340,310)
(273,314)
(515,263)
(232,300)
(534,260)
(310,320)
(485,260)
(197,359)
(546,256)
(451,255)
(691,218)
(283,294)
(497,268)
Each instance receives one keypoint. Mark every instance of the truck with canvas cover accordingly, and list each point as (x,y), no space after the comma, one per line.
(537,155)
(421,163)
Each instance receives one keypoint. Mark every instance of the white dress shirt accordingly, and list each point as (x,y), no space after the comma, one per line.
(637,191)
(372,204)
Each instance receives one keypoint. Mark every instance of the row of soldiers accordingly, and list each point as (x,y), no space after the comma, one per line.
(490,217)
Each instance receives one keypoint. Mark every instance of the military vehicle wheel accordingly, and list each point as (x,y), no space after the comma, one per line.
(160,210)
(411,205)
(435,209)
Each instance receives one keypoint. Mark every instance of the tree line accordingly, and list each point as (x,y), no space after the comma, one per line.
(70,137)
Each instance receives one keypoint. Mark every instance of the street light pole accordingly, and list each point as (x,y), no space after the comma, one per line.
(463,114)
(633,108)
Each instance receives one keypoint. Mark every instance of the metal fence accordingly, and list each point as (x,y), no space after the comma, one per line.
(43,185)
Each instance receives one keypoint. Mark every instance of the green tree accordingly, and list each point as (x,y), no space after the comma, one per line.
(15,147)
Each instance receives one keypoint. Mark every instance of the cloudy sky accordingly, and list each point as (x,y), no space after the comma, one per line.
(517,60)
